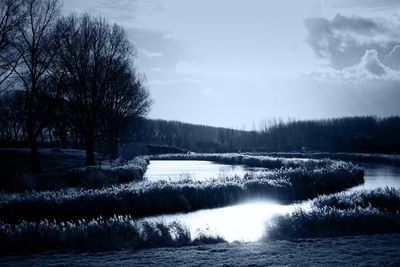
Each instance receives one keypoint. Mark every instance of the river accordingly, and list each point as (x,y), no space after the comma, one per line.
(246,221)
(243,222)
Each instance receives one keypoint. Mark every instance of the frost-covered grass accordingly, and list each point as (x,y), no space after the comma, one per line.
(385,199)
(367,157)
(362,212)
(362,250)
(85,177)
(249,160)
(151,198)
(116,232)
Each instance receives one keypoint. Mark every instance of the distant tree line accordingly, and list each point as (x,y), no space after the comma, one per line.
(352,134)
(192,137)
(65,78)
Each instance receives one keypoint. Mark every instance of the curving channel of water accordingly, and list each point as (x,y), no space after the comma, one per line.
(245,221)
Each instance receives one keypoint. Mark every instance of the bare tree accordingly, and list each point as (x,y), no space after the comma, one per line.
(89,50)
(125,100)
(11,17)
(36,48)
(12,117)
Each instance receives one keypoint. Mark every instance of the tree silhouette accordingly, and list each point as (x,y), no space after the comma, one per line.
(96,59)
(35,47)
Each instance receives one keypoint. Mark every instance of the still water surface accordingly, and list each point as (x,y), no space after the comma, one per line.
(198,170)
(246,221)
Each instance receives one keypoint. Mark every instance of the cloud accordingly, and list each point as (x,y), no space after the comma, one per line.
(184,67)
(369,68)
(150,54)
(343,40)
(392,60)
(363,3)
(176,81)
(208,92)
(357,25)
(356,49)
(156,52)
(371,63)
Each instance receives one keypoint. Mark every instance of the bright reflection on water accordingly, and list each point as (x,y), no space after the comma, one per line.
(247,221)
(244,222)
(193,169)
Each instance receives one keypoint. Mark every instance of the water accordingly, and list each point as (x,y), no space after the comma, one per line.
(243,222)
(199,170)
(379,175)
(246,221)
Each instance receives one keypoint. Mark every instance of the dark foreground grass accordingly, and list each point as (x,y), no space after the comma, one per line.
(147,198)
(362,212)
(118,232)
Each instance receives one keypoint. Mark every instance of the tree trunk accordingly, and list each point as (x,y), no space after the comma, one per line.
(75,137)
(50,136)
(113,145)
(64,141)
(90,150)
(35,163)
(63,137)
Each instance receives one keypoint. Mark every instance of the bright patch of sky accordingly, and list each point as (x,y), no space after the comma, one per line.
(235,63)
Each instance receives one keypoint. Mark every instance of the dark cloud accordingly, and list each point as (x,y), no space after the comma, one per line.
(363,3)
(355,24)
(344,39)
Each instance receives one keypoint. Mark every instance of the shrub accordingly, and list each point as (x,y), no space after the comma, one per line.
(85,177)
(97,234)
(366,212)
(385,199)
(366,157)
(23,182)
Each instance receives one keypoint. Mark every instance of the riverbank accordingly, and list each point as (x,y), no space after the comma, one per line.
(346,156)
(154,198)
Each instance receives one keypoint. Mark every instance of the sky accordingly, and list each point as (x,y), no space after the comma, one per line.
(239,63)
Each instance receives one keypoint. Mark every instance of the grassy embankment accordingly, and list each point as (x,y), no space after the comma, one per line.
(361,212)
(116,232)
(359,157)
(63,169)
(151,198)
